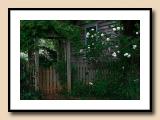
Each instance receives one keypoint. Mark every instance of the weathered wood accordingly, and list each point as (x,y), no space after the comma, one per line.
(68,67)
(36,70)
(54,80)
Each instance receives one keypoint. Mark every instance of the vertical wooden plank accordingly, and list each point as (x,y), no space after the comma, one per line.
(57,82)
(47,80)
(54,80)
(51,79)
(43,76)
(36,80)
(85,74)
(68,67)
(40,78)
(80,72)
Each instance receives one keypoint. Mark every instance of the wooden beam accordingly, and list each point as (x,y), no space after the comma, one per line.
(68,67)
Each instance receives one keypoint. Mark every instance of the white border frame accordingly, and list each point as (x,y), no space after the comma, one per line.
(14,96)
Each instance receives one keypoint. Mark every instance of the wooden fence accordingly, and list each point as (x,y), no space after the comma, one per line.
(48,80)
(89,73)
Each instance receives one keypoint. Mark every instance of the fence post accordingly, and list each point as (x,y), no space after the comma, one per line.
(68,67)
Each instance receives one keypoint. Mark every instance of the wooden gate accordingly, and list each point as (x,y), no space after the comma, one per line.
(49,81)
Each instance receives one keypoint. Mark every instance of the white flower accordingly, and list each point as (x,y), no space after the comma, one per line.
(116,46)
(123,67)
(126,54)
(92,36)
(24,55)
(129,55)
(92,43)
(118,51)
(88,47)
(42,41)
(87,35)
(95,34)
(114,54)
(92,29)
(118,28)
(81,50)
(122,28)
(90,83)
(41,51)
(112,26)
(134,46)
(137,33)
(107,39)
(102,35)
(114,29)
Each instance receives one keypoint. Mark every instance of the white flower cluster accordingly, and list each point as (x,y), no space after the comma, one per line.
(134,46)
(118,51)
(90,83)
(108,39)
(24,55)
(117,28)
(41,51)
(128,55)
(114,54)
(137,33)
(87,35)
(81,50)
(102,34)
(92,29)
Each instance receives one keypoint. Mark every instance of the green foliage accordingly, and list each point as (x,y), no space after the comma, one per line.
(32,30)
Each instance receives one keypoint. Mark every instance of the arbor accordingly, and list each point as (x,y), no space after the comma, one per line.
(50,36)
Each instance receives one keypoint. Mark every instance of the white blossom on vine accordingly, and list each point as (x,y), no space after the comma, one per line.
(114,54)
(134,46)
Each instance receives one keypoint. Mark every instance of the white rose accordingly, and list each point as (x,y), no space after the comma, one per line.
(114,54)
(108,39)
(92,29)
(102,35)
(118,51)
(114,29)
(129,55)
(90,83)
(81,50)
(122,28)
(112,26)
(126,54)
(87,35)
(134,46)
(118,28)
